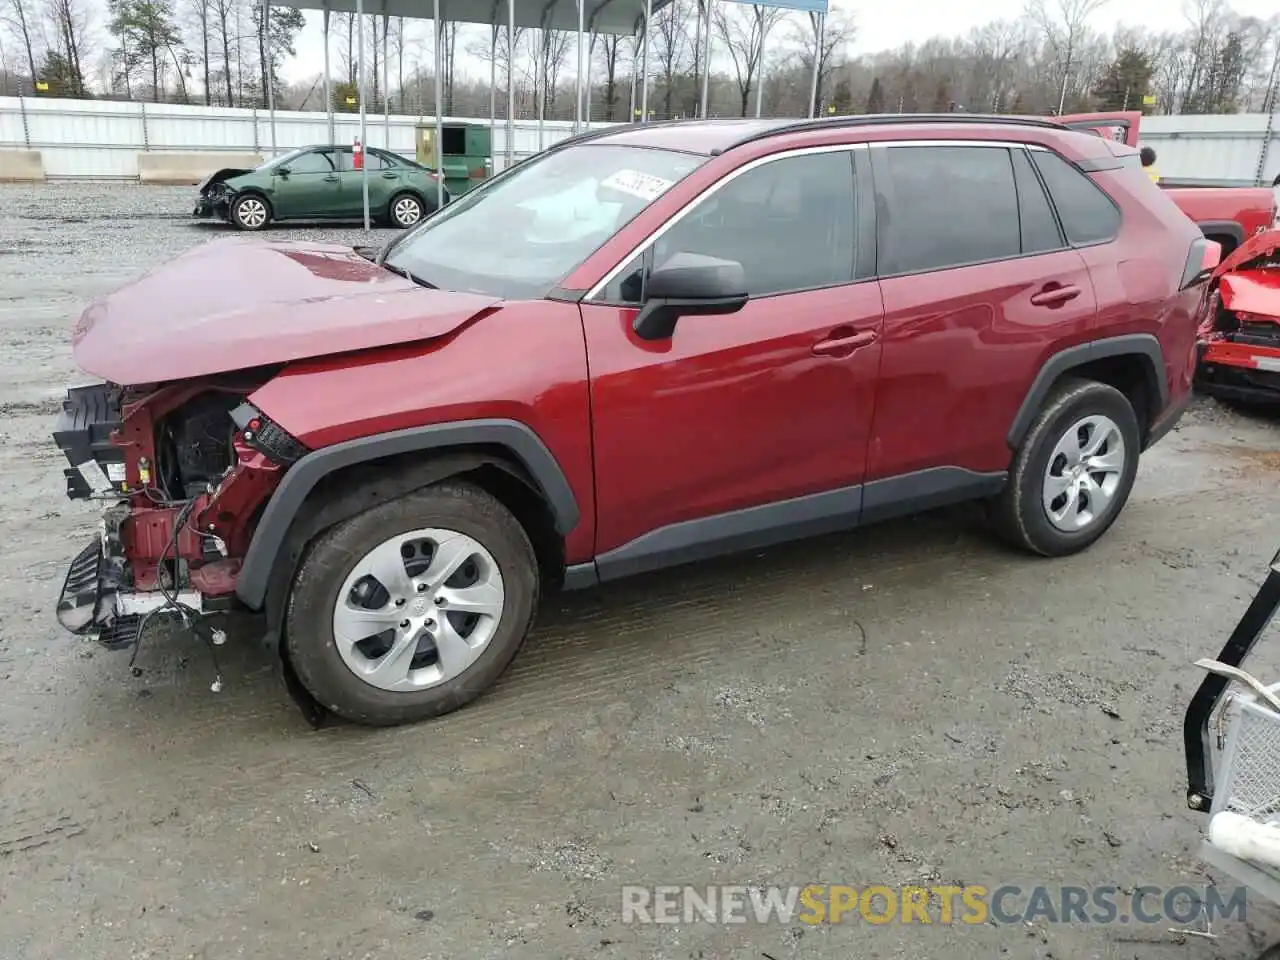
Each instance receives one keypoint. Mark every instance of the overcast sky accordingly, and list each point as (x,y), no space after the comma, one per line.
(881,26)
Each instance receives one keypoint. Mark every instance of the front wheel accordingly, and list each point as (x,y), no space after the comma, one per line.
(250,212)
(1074,471)
(413,608)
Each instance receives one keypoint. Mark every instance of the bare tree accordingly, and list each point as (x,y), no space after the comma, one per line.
(670,44)
(1065,25)
(70,24)
(610,47)
(741,29)
(15,15)
(827,41)
(201,13)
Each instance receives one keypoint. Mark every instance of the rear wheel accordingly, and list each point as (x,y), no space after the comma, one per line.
(406,210)
(250,212)
(1073,472)
(414,607)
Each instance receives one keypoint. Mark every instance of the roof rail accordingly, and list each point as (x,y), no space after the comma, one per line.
(879,119)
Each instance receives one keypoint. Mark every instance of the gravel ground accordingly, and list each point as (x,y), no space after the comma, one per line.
(911,703)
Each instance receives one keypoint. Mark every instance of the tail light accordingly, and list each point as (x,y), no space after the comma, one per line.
(1202,259)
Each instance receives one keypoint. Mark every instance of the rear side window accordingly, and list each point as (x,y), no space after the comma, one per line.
(1040,233)
(950,206)
(1087,214)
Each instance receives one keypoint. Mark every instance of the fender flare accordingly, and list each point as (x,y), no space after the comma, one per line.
(1142,345)
(1227,228)
(524,446)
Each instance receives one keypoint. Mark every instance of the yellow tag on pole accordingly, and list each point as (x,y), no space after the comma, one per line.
(41,85)
(1149,100)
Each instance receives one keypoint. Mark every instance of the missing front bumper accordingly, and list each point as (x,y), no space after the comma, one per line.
(97,603)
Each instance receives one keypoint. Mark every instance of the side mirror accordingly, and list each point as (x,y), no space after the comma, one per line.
(282,171)
(689,284)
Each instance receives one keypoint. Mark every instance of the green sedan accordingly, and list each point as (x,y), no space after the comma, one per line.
(320,183)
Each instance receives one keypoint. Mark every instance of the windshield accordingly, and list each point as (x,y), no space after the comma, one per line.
(519,235)
(284,158)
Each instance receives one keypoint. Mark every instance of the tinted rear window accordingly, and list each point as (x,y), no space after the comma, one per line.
(1088,215)
(951,206)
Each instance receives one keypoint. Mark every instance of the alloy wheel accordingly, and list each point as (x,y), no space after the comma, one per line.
(1084,473)
(407,211)
(418,609)
(251,212)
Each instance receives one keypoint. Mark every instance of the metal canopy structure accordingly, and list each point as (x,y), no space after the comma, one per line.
(614,17)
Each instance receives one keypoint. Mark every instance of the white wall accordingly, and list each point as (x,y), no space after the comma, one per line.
(101,139)
(98,138)
(1213,147)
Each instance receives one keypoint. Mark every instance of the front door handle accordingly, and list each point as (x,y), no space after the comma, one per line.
(843,341)
(331,178)
(1052,296)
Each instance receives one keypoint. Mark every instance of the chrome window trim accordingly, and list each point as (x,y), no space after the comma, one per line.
(594,293)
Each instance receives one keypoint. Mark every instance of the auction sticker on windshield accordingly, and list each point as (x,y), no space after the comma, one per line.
(643,185)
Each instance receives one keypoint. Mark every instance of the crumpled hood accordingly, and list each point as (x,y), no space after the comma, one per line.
(218,176)
(1249,279)
(238,303)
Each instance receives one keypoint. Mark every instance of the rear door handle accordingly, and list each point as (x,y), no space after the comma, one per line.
(390,176)
(332,179)
(841,344)
(1054,295)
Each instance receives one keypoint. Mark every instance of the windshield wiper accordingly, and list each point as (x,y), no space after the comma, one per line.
(402,272)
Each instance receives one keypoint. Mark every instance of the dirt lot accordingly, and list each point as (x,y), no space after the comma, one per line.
(908,704)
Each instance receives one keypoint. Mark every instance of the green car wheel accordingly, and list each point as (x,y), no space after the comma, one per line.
(250,212)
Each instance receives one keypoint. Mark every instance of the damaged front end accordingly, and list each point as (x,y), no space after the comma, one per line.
(1239,342)
(215,194)
(184,470)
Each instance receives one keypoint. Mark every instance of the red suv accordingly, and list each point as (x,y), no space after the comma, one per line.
(645,346)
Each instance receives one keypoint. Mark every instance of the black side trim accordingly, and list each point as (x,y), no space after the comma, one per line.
(1167,422)
(727,533)
(522,442)
(580,576)
(565,295)
(1143,345)
(926,490)
(1224,228)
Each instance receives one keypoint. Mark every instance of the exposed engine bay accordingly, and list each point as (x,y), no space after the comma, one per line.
(1239,349)
(185,468)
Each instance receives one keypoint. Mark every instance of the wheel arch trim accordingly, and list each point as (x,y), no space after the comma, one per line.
(519,440)
(1223,228)
(1144,346)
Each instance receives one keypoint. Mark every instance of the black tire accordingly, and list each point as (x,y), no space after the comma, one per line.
(395,212)
(244,209)
(309,639)
(1019,513)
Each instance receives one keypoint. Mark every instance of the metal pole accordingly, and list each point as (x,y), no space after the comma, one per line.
(361,84)
(493,76)
(271,86)
(386,80)
(591,46)
(542,78)
(1062,97)
(706,65)
(817,60)
(511,84)
(435,27)
(644,89)
(328,90)
(635,58)
(577,80)
(760,67)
